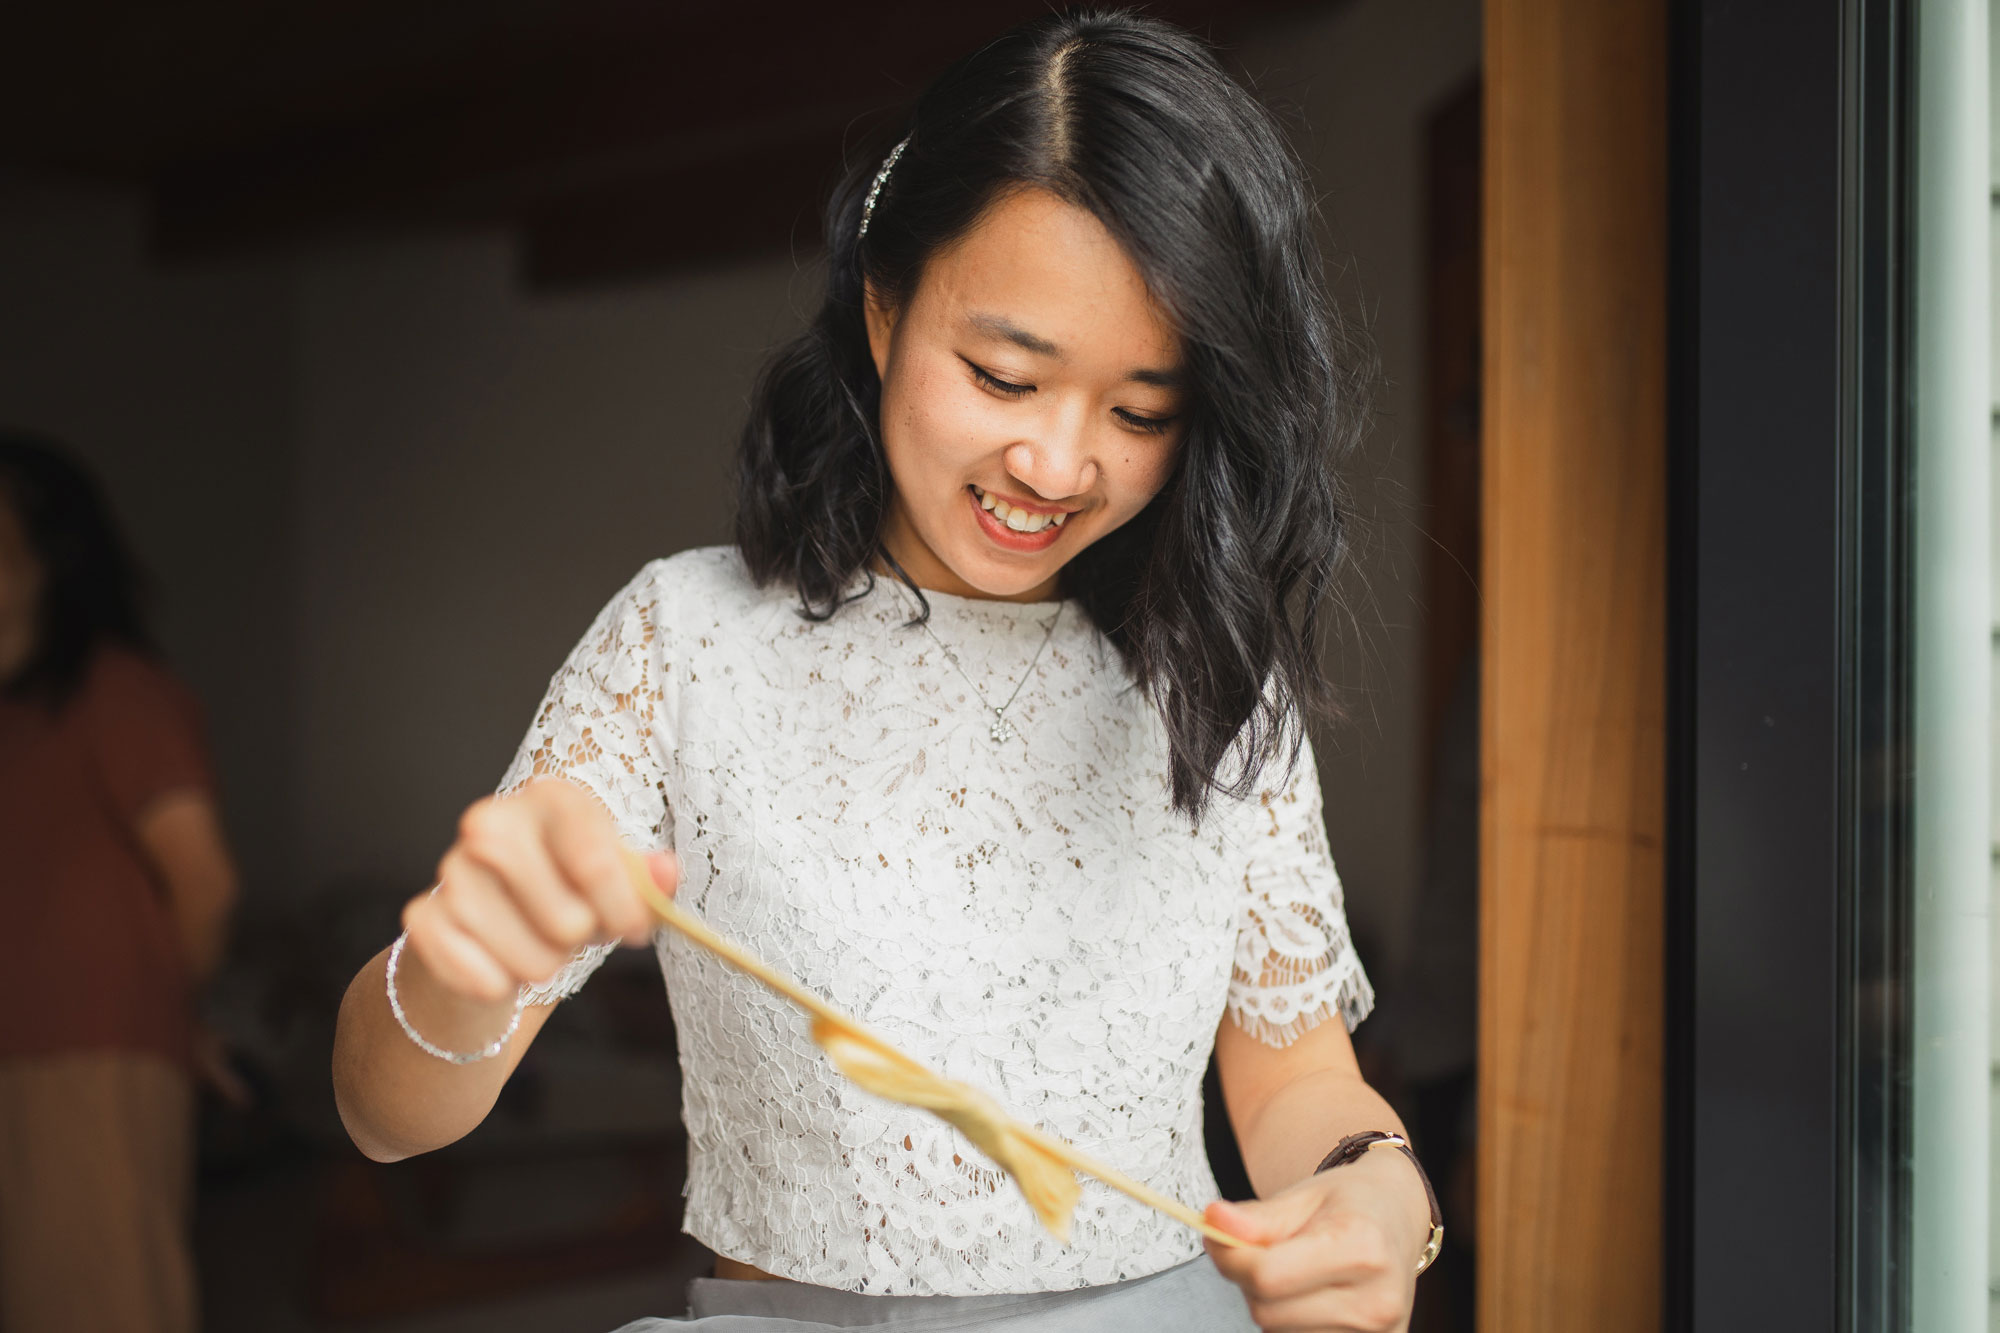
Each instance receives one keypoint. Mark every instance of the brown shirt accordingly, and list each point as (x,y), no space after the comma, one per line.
(89,957)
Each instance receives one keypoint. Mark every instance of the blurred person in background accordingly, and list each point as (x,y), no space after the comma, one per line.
(117,885)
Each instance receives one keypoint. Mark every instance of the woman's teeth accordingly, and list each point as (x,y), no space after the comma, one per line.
(1020,520)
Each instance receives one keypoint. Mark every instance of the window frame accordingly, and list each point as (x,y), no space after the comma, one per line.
(1787,1190)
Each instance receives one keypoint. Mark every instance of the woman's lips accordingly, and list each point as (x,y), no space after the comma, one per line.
(1004,536)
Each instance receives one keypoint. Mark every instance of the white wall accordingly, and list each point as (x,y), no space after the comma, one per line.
(479,471)
(1365,79)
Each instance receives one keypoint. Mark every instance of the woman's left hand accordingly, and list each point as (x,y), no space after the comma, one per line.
(1338,1251)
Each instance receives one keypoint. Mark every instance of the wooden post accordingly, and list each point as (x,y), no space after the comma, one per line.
(1574,651)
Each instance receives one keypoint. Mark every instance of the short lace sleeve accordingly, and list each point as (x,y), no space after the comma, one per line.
(1295,962)
(601,725)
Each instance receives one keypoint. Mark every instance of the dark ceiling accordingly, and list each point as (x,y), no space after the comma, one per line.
(617,136)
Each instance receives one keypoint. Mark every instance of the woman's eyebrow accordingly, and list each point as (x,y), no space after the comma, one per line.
(999,326)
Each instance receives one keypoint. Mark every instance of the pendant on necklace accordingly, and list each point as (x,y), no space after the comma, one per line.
(1002,730)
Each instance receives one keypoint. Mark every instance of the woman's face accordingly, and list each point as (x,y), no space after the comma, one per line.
(1033,399)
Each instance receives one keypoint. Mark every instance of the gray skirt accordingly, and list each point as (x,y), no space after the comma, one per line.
(1188,1298)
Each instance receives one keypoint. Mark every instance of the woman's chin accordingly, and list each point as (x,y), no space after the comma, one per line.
(1005,579)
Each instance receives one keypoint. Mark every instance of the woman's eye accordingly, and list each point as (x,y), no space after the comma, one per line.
(1150,425)
(1009,389)
(998,385)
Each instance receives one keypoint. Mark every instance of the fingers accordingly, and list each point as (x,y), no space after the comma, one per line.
(1338,1272)
(1339,1250)
(1264,1221)
(506,841)
(458,962)
(665,868)
(491,912)
(531,878)
(1245,1221)
(663,871)
(585,851)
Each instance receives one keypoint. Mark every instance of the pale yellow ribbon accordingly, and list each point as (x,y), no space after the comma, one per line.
(1040,1163)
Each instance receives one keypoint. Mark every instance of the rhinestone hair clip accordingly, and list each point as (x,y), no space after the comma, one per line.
(875,190)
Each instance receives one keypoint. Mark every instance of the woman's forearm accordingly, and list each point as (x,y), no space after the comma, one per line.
(182,838)
(1305,1119)
(1301,1123)
(395,1099)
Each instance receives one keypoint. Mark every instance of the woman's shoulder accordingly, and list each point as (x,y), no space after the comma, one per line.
(698,569)
(696,575)
(702,586)
(143,723)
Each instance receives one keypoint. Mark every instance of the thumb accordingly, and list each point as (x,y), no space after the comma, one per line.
(1263,1221)
(661,872)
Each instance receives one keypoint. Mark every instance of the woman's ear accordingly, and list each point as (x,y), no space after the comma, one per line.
(881,320)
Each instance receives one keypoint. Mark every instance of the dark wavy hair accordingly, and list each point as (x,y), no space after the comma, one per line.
(1212,593)
(92,589)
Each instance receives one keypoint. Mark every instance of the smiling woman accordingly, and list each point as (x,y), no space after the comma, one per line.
(1099,238)
(1018,439)
(990,731)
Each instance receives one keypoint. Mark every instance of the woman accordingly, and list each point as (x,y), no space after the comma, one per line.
(117,887)
(988,728)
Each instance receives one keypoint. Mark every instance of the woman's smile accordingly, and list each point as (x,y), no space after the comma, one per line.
(1013,525)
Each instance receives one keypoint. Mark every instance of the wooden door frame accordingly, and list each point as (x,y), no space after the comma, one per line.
(1573,650)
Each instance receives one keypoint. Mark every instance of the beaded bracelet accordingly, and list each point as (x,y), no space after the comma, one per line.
(486,1052)
(1351,1149)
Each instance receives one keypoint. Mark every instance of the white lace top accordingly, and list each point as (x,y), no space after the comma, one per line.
(1031,917)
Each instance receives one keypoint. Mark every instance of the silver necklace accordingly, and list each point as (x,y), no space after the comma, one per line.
(1001,729)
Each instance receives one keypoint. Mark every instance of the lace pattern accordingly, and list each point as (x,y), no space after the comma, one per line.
(1032,918)
(596,726)
(1295,962)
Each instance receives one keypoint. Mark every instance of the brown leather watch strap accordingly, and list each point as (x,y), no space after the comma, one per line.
(1351,1148)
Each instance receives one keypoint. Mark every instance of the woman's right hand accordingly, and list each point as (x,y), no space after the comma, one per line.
(532,877)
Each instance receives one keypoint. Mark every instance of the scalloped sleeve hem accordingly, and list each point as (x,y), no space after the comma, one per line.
(1295,965)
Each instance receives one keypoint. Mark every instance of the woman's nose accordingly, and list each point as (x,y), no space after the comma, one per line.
(1055,463)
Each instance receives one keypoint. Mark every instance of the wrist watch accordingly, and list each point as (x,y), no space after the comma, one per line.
(1351,1149)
